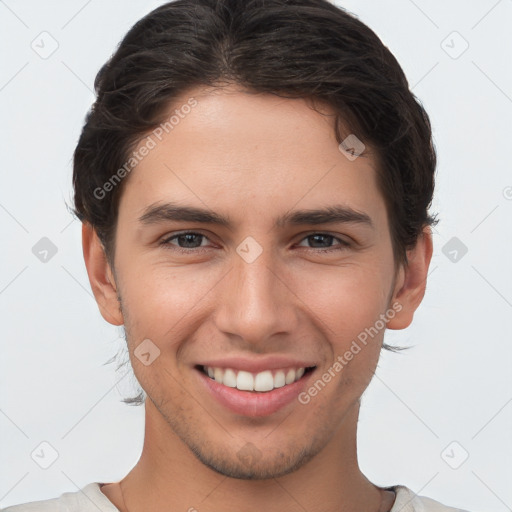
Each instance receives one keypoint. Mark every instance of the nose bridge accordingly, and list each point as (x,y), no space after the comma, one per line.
(255,304)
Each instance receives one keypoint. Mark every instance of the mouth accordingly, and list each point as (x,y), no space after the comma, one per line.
(254,393)
(261,382)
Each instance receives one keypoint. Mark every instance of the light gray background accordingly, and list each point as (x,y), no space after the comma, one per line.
(454,385)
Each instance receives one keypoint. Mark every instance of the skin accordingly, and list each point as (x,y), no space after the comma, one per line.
(252,158)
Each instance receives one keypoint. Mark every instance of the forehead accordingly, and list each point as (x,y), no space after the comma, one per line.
(233,150)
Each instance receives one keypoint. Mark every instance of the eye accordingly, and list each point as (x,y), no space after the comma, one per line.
(185,242)
(192,242)
(324,240)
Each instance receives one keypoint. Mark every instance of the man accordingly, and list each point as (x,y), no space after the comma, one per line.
(254,181)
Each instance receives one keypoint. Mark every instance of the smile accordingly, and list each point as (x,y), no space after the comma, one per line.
(263,381)
(254,389)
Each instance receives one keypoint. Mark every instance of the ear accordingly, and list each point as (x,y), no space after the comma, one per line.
(100,275)
(411,281)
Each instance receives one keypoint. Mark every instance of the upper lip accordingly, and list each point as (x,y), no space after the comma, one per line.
(256,365)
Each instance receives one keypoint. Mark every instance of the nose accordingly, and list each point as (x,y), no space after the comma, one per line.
(255,302)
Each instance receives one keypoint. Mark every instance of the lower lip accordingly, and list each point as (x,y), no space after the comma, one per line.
(252,403)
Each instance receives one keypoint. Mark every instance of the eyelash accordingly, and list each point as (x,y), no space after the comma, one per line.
(166,243)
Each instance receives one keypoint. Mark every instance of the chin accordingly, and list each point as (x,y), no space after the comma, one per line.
(249,463)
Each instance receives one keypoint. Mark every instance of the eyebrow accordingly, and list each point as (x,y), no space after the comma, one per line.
(164,212)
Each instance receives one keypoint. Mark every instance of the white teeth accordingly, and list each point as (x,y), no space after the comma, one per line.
(290,377)
(245,381)
(264,381)
(229,378)
(279,379)
(260,382)
(218,374)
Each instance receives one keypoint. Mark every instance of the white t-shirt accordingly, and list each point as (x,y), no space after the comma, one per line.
(91,499)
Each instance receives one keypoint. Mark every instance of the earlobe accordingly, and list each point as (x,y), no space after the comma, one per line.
(412,281)
(100,275)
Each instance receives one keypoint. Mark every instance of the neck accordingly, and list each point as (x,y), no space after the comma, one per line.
(168,476)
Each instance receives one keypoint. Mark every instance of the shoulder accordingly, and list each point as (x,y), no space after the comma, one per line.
(408,501)
(88,499)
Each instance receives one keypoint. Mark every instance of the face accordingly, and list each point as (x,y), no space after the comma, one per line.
(249,247)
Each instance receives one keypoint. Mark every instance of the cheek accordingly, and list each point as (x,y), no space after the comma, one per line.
(346,300)
(161,299)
